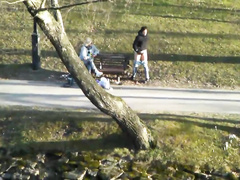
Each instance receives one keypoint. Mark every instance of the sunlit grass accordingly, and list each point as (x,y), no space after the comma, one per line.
(195,140)
(189,31)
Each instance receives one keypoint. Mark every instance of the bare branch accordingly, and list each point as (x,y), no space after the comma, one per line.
(72,5)
(43,4)
(13,2)
(57,14)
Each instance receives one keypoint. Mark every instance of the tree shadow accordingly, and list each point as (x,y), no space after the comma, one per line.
(204,8)
(195,12)
(190,58)
(15,121)
(166,33)
(25,72)
(210,123)
(195,58)
(106,143)
(192,18)
(13,114)
(28,52)
(152,56)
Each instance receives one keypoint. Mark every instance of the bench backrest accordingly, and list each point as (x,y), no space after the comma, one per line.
(111,62)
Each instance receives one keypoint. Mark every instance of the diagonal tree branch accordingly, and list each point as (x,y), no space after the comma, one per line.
(43,4)
(20,1)
(58,8)
(57,13)
(135,129)
(72,5)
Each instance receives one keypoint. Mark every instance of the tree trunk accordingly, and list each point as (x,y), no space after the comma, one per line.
(126,118)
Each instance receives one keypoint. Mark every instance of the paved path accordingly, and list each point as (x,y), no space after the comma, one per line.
(141,99)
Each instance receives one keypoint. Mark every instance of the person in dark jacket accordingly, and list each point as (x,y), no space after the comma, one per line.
(140,52)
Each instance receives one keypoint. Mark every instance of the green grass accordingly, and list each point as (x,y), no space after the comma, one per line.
(196,140)
(187,141)
(192,43)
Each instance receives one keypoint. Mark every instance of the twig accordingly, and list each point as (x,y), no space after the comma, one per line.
(58,8)
(13,2)
(43,4)
(71,5)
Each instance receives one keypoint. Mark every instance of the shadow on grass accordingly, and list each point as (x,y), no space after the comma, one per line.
(197,6)
(190,18)
(152,57)
(162,56)
(210,123)
(25,72)
(195,58)
(107,143)
(15,120)
(196,12)
(44,53)
(18,114)
(189,58)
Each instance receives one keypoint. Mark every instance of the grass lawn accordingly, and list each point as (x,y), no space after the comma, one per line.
(192,44)
(197,142)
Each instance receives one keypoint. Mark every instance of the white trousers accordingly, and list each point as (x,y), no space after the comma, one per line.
(141,59)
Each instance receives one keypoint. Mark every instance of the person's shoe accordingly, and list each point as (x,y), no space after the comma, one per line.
(146,81)
(98,74)
(67,85)
(133,78)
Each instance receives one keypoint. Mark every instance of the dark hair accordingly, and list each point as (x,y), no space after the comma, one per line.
(143,28)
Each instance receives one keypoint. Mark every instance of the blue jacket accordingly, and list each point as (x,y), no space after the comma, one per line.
(87,53)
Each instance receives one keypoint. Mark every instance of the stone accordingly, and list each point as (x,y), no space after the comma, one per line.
(75,175)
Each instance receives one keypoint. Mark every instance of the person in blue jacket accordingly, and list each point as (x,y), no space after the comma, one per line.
(87,54)
(140,52)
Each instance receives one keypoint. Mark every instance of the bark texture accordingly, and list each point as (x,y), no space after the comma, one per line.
(114,106)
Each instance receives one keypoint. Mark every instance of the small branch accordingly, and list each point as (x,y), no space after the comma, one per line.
(57,14)
(71,5)
(43,4)
(13,2)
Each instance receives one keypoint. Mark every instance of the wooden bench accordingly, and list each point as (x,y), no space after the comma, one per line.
(112,64)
